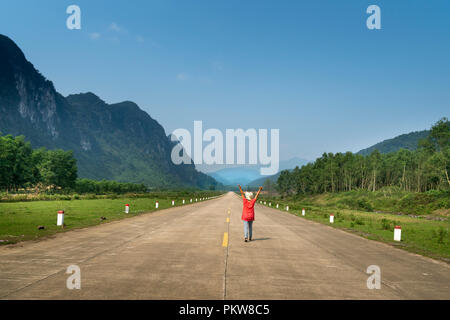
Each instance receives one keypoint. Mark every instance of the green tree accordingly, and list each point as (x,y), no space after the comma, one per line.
(58,169)
(440,134)
(15,162)
(269,185)
(284,182)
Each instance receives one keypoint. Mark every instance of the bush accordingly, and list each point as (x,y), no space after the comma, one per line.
(441,234)
(385,224)
(364,205)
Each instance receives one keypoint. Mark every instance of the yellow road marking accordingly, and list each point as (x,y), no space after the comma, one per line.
(228,219)
(225,240)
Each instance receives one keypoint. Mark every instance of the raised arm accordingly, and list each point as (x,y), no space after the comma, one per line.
(242,192)
(257,195)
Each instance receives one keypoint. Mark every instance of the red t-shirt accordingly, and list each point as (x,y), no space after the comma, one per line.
(248,211)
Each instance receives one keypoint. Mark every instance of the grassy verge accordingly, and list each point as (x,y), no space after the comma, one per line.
(19,221)
(20,197)
(419,234)
(389,199)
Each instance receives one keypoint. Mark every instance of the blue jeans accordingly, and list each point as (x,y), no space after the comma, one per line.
(248,229)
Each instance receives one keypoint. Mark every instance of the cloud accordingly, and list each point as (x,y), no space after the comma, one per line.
(182,76)
(139,38)
(94,35)
(117,32)
(116,28)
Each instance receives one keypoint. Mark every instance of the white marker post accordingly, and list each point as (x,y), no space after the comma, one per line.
(191,200)
(173,202)
(277,205)
(127,208)
(195,199)
(398,233)
(60,219)
(270,204)
(331,218)
(303,212)
(287,208)
(183,201)
(156,204)
(264,203)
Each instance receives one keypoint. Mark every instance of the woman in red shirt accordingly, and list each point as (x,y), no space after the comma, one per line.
(248,212)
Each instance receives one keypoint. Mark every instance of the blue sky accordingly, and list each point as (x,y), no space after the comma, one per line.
(310,68)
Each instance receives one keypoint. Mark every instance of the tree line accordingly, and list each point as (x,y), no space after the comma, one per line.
(423,169)
(105,186)
(21,167)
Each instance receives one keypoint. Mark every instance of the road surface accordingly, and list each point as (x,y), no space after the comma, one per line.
(193,252)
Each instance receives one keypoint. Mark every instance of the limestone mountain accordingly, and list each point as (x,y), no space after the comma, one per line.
(110,141)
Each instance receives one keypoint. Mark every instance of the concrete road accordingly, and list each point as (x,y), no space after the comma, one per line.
(184,253)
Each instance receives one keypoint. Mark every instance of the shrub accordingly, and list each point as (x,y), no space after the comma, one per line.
(364,205)
(385,224)
(441,234)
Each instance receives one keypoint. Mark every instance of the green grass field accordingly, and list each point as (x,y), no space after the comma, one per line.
(19,221)
(419,234)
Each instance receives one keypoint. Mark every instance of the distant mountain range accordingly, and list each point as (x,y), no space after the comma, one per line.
(110,141)
(405,141)
(245,175)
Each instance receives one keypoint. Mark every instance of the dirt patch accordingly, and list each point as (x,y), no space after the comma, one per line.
(442,212)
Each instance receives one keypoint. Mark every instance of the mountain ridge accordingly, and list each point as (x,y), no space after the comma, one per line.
(116,141)
(250,174)
(403,141)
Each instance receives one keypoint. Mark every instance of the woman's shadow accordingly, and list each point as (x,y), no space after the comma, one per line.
(258,239)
